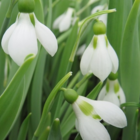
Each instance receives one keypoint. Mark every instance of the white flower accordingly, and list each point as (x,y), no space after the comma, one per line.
(102,17)
(112,92)
(99,58)
(20,39)
(89,113)
(64,21)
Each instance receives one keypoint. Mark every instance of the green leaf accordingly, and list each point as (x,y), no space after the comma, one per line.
(116,22)
(2,66)
(67,52)
(55,133)
(63,68)
(78,137)
(24,128)
(130,104)
(93,94)
(37,82)
(68,124)
(130,66)
(3,10)
(45,134)
(48,103)
(13,99)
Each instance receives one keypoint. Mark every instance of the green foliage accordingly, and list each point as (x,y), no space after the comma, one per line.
(130,67)
(37,85)
(13,99)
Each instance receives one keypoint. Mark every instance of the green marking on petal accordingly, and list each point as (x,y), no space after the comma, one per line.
(18,15)
(96,117)
(95,38)
(107,86)
(119,97)
(32,19)
(86,108)
(116,87)
(106,40)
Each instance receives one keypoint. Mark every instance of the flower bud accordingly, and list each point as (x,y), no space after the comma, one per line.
(99,28)
(70,95)
(26,6)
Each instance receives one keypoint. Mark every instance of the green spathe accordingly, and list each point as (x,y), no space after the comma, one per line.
(70,95)
(113,76)
(26,6)
(99,28)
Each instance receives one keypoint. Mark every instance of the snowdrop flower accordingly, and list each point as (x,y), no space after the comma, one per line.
(99,57)
(89,113)
(20,39)
(103,17)
(64,21)
(112,91)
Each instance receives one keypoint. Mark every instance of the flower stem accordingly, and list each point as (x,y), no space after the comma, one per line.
(85,78)
(85,7)
(47,105)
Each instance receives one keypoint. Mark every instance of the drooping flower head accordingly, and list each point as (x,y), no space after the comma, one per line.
(112,91)
(99,57)
(64,21)
(89,113)
(20,39)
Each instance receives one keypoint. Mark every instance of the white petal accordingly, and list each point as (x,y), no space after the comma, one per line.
(101,64)
(23,41)
(110,113)
(114,58)
(86,60)
(6,37)
(57,21)
(89,128)
(66,21)
(122,96)
(112,97)
(102,93)
(46,37)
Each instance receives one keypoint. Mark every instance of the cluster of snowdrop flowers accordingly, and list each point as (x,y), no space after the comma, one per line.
(20,39)
(89,113)
(99,57)
(112,91)
(64,21)
(98,8)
